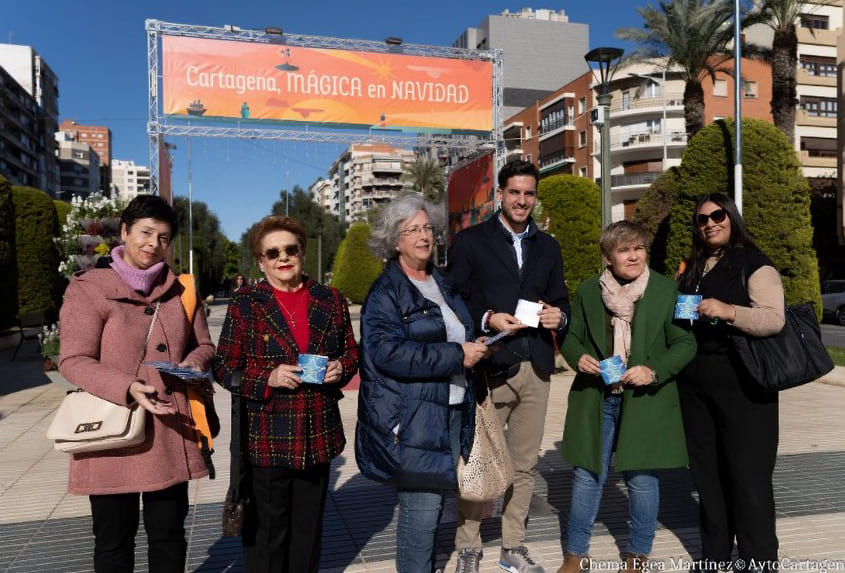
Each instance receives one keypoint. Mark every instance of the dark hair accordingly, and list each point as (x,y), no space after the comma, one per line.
(150,207)
(275,223)
(517,167)
(740,237)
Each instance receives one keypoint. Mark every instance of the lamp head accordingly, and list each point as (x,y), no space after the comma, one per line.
(607,60)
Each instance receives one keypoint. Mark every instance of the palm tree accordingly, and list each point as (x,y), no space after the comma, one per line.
(427,177)
(781,16)
(692,35)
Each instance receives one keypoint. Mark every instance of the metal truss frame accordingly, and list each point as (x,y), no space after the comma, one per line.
(159,125)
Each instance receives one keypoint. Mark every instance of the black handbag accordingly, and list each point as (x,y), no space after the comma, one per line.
(790,358)
(235,504)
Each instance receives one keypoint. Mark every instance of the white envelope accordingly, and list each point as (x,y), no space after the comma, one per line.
(526,312)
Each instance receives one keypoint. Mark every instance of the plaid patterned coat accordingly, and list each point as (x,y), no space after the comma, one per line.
(288,428)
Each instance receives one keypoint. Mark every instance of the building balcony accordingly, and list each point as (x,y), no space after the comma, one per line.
(817,37)
(810,159)
(642,140)
(555,160)
(803,78)
(515,153)
(804,118)
(634,179)
(555,127)
(674,102)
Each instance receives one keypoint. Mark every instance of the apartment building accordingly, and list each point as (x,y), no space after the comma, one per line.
(79,167)
(100,139)
(366,175)
(36,78)
(543,50)
(323,195)
(19,134)
(129,180)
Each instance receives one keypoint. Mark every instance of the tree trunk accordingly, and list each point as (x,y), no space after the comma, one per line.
(693,107)
(784,65)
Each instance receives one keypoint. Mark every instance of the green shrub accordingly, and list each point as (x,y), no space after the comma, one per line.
(62,210)
(572,208)
(355,266)
(39,287)
(776,200)
(8,265)
(653,213)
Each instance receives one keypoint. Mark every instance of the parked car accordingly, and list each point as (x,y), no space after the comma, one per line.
(833,301)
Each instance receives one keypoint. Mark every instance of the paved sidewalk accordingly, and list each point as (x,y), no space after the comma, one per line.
(42,528)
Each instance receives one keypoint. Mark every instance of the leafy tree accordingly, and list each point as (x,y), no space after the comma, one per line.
(781,16)
(39,284)
(8,263)
(572,208)
(209,245)
(776,200)
(653,214)
(356,267)
(317,222)
(232,265)
(693,35)
(427,176)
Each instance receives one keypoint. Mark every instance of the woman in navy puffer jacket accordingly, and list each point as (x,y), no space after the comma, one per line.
(416,409)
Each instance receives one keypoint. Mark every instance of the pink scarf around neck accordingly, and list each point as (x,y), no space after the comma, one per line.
(141,280)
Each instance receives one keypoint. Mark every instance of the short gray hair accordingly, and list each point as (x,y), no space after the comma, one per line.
(385,234)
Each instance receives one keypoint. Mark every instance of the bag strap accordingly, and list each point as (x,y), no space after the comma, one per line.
(147,339)
(237,463)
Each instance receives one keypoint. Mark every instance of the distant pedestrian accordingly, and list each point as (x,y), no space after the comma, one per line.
(106,317)
(731,423)
(625,311)
(293,428)
(416,409)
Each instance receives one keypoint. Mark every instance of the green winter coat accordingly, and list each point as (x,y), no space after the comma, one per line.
(651,434)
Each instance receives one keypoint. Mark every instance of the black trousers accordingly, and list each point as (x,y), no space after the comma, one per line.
(284,523)
(731,431)
(115,518)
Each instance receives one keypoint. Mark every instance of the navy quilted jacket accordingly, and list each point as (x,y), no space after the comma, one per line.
(402,436)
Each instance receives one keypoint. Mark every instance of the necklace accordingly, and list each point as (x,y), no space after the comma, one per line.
(291,314)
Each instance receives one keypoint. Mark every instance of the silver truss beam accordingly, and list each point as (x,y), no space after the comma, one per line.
(152,110)
(402,140)
(260,36)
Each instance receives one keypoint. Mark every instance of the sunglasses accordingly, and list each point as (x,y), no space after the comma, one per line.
(273,253)
(718,216)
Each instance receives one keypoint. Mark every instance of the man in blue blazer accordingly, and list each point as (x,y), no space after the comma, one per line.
(494,265)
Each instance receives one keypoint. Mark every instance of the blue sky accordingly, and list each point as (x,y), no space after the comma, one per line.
(98,50)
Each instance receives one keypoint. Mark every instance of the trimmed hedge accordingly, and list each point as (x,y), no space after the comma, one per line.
(8,264)
(62,210)
(653,213)
(776,200)
(355,266)
(39,285)
(572,208)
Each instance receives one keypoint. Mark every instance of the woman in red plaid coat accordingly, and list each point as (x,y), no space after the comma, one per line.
(293,428)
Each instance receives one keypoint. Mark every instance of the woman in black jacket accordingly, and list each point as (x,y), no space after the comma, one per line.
(415,407)
(731,424)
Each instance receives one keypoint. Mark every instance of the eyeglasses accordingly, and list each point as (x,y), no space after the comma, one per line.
(273,253)
(718,216)
(414,229)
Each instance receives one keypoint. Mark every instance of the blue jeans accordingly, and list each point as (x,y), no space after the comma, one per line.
(419,514)
(643,494)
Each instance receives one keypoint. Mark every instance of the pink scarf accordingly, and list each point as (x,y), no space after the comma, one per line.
(621,301)
(141,280)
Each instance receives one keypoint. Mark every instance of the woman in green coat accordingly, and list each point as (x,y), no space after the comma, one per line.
(625,311)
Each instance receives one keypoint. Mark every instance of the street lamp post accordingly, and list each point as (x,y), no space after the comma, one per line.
(607,60)
(663,131)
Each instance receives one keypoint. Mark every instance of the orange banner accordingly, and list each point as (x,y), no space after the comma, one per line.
(246,80)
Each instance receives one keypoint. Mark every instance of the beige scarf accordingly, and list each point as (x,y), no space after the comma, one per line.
(621,300)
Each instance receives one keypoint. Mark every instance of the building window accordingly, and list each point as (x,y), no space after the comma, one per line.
(819,146)
(78,155)
(570,113)
(626,100)
(582,138)
(652,89)
(527,132)
(820,66)
(582,171)
(815,21)
(819,106)
(749,89)
(720,88)
(582,105)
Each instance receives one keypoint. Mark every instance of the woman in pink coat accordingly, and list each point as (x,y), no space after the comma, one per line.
(105,318)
